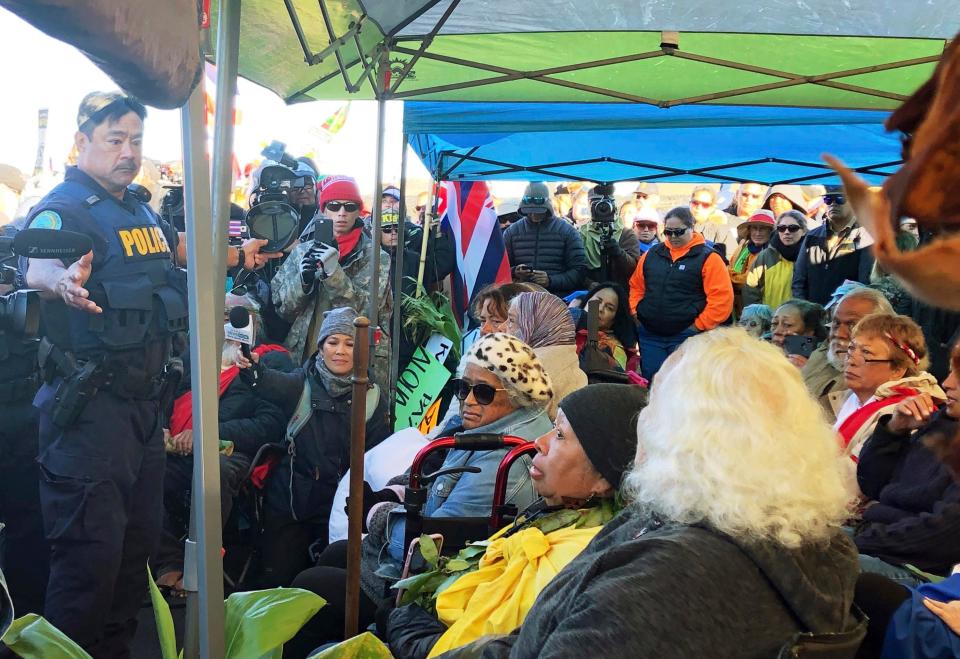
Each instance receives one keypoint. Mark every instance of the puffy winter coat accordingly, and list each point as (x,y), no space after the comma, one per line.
(553,246)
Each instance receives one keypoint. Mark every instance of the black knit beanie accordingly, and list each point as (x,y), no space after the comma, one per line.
(604,418)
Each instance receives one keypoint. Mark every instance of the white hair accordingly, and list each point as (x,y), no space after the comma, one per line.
(732,439)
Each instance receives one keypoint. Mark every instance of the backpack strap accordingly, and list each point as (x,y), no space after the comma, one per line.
(301,414)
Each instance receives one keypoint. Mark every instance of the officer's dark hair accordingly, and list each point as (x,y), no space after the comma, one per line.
(683,214)
(112,113)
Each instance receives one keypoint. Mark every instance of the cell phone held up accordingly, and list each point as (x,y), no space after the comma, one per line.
(799,345)
(323,232)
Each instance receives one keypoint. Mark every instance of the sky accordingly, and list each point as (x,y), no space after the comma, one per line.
(56,76)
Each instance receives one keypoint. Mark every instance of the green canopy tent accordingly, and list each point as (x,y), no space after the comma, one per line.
(858,55)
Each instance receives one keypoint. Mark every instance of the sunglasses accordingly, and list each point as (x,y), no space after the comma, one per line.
(389,229)
(701,204)
(349,206)
(482,393)
(649,226)
(641,195)
(675,233)
(834,199)
(791,228)
(537,201)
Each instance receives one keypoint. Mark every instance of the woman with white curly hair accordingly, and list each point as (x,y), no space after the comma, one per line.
(732,543)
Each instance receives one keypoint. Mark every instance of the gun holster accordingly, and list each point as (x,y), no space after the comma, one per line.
(172,375)
(73,394)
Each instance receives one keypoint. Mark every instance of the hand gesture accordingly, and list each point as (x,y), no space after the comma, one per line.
(253,258)
(70,285)
(911,414)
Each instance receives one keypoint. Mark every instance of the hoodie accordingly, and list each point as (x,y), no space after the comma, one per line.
(641,589)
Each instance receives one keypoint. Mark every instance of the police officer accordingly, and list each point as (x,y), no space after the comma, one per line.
(25,560)
(109,318)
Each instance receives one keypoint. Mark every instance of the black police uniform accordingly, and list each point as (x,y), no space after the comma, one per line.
(101,448)
(25,562)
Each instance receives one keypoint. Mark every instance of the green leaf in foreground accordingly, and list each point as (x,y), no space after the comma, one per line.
(428,548)
(364,646)
(161,614)
(260,621)
(32,637)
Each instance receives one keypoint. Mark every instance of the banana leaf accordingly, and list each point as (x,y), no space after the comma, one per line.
(32,637)
(364,646)
(425,314)
(161,615)
(259,622)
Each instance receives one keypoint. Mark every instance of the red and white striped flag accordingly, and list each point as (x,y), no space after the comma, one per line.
(466,210)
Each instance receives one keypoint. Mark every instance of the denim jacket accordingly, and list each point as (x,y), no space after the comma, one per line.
(471,495)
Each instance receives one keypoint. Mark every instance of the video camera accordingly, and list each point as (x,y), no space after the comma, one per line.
(20,310)
(603,207)
(272,215)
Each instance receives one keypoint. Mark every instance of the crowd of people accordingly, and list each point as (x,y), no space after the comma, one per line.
(753,443)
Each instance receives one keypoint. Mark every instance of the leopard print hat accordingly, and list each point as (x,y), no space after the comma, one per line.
(515,363)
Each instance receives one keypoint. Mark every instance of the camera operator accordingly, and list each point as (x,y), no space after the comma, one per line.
(105,358)
(25,560)
(612,252)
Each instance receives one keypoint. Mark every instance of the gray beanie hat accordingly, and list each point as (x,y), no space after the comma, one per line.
(535,191)
(337,321)
(604,418)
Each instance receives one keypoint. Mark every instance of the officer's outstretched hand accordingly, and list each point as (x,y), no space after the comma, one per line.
(253,258)
(70,285)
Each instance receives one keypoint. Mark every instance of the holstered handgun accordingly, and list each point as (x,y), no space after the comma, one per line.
(74,393)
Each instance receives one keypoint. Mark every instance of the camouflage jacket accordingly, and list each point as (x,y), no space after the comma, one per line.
(347,286)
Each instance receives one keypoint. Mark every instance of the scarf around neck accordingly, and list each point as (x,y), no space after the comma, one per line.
(336,385)
(348,241)
(788,252)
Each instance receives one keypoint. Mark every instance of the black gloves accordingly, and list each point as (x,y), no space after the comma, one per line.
(611,246)
(308,269)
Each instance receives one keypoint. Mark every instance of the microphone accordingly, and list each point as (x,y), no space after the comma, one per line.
(242,328)
(48,244)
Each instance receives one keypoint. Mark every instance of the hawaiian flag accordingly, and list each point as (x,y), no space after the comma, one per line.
(467,212)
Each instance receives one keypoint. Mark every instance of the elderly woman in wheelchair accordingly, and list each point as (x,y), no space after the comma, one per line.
(504,390)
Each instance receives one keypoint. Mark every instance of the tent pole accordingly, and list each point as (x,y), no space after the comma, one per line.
(205,620)
(373,303)
(398,257)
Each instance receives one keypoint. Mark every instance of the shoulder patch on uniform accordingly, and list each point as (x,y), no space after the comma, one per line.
(46,220)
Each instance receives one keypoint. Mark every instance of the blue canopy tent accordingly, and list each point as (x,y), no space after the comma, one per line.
(619,141)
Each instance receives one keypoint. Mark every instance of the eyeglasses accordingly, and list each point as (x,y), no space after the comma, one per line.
(675,233)
(701,204)
(834,199)
(641,195)
(855,349)
(749,323)
(483,393)
(792,228)
(537,201)
(349,206)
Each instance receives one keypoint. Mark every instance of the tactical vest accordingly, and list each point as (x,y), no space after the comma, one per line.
(134,280)
(673,290)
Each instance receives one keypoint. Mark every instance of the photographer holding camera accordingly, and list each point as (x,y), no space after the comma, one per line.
(612,252)
(330,268)
(543,248)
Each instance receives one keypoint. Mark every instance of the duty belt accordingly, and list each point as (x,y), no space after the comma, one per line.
(113,372)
